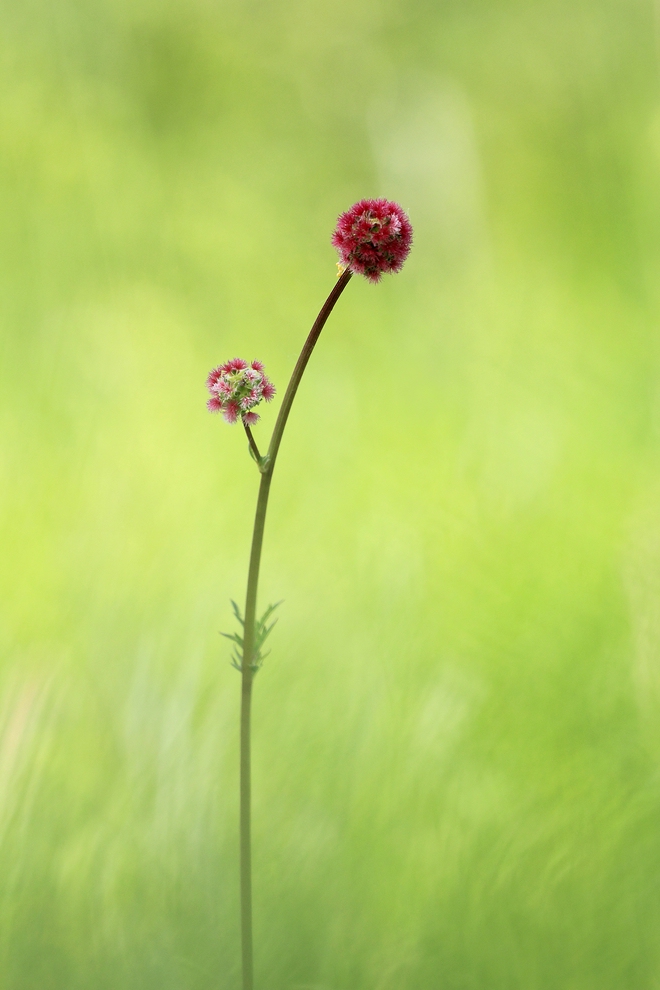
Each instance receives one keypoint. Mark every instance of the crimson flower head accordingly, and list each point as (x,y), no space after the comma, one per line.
(236,388)
(373,237)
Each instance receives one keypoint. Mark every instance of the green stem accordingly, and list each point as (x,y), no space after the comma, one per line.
(250,622)
(251,441)
(246,706)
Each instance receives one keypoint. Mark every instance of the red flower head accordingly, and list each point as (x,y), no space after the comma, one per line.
(373,237)
(236,388)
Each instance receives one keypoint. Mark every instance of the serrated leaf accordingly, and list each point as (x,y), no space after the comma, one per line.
(237,612)
(261,633)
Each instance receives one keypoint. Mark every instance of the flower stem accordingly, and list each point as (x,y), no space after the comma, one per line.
(251,441)
(247,672)
(301,364)
(246,705)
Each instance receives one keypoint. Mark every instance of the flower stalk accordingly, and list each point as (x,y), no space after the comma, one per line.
(254,450)
(247,671)
(372,238)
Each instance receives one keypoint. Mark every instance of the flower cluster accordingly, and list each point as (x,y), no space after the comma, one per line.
(373,237)
(236,388)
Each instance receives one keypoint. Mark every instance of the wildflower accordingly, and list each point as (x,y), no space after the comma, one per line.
(236,388)
(373,237)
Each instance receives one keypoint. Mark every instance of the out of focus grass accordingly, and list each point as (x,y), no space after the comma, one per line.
(456,737)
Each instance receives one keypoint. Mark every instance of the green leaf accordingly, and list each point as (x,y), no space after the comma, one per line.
(261,634)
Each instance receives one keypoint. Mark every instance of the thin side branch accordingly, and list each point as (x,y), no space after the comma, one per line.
(252,442)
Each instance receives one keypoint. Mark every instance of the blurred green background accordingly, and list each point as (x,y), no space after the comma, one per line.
(457,735)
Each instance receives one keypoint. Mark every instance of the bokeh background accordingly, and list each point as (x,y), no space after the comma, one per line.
(457,735)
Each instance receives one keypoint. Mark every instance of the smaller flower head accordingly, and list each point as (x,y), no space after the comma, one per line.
(236,388)
(373,237)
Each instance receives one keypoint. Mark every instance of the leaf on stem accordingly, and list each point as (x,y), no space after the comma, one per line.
(262,630)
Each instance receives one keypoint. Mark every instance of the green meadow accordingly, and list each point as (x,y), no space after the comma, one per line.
(457,733)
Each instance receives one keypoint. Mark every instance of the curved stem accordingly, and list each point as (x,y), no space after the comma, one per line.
(251,441)
(247,671)
(301,364)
